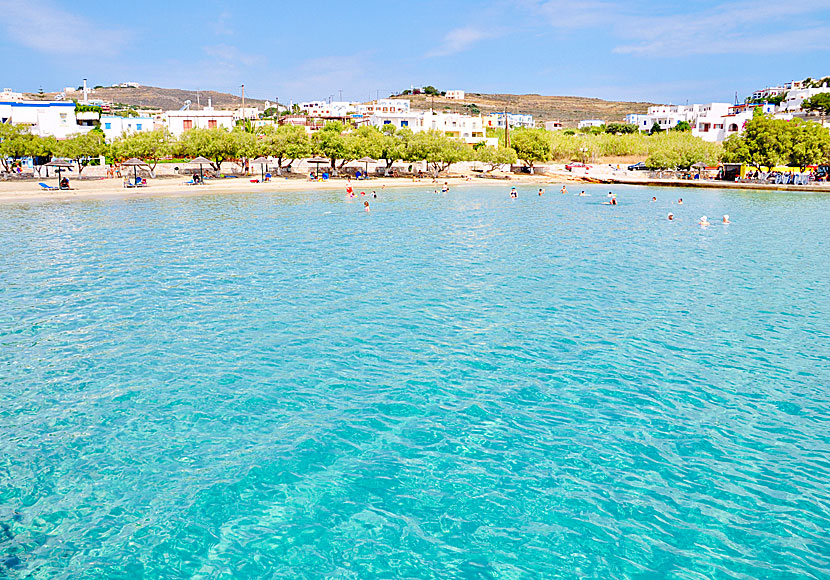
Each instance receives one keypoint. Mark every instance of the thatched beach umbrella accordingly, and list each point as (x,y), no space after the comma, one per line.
(60,164)
(367,161)
(135,163)
(200,161)
(263,165)
(317,161)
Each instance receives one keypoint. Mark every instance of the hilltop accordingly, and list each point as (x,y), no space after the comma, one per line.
(569,110)
(159,98)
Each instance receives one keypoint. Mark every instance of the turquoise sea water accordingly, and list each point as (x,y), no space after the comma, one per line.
(451,386)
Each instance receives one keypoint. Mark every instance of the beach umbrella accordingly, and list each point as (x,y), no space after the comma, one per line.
(59,164)
(699,166)
(263,165)
(135,163)
(317,161)
(200,161)
(367,161)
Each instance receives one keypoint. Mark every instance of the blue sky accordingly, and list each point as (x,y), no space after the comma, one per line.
(634,50)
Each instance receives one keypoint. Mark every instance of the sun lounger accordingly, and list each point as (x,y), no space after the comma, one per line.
(45,187)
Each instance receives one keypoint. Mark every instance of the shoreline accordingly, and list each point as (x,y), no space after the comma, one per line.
(102,189)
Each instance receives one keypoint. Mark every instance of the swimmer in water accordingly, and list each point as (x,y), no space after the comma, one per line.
(653,199)
(541,191)
(445,188)
(614,200)
(366,205)
(513,193)
(671,217)
(680,201)
(704,221)
(582,193)
(375,195)
(726,219)
(564,190)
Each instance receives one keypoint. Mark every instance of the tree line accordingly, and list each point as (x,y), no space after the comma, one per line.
(765,141)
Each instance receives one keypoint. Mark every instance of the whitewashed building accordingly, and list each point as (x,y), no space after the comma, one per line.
(180,121)
(10,95)
(496,120)
(591,123)
(792,102)
(44,118)
(114,126)
(384,106)
(456,95)
(471,130)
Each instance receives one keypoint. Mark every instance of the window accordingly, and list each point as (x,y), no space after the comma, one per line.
(63,118)
(187,124)
(138,126)
(387,122)
(404,123)
(211,123)
(107,125)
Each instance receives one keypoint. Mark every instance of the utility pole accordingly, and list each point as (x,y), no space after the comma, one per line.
(506,128)
(243,101)
(341,95)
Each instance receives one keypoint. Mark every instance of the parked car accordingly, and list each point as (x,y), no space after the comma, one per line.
(577,164)
(641,166)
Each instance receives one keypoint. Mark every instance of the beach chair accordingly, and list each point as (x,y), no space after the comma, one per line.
(45,187)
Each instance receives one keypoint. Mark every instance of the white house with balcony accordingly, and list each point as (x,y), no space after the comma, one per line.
(114,126)
(591,123)
(470,130)
(496,120)
(456,95)
(384,106)
(180,121)
(792,102)
(44,118)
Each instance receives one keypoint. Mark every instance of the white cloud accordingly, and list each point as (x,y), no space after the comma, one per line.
(460,39)
(736,27)
(42,26)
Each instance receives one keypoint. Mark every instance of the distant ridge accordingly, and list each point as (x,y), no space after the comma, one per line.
(159,98)
(569,110)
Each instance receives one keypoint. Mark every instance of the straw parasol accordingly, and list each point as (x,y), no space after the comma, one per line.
(60,164)
(317,161)
(263,165)
(200,161)
(135,163)
(367,161)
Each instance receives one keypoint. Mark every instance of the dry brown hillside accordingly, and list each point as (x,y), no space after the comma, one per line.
(159,98)
(569,110)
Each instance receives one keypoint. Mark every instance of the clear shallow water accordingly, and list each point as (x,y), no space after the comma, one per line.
(461,386)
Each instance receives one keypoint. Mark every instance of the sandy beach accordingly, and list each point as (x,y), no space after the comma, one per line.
(95,189)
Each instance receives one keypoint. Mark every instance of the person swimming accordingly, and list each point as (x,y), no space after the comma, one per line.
(582,194)
(445,188)
(653,199)
(614,200)
(366,205)
(541,191)
(564,190)
(375,195)
(726,219)
(671,217)
(704,221)
(513,193)
(680,201)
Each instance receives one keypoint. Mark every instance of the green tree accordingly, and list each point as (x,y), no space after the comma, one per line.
(766,142)
(217,144)
(83,147)
(682,127)
(438,150)
(532,146)
(149,146)
(809,144)
(819,103)
(494,157)
(15,142)
(330,142)
(656,128)
(287,142)
(620,128)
